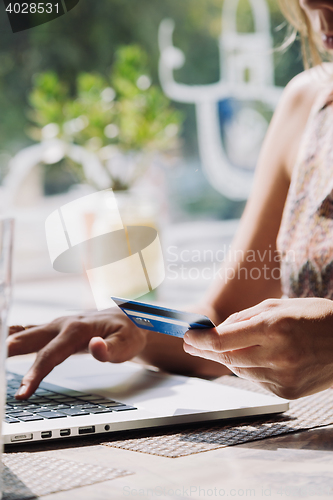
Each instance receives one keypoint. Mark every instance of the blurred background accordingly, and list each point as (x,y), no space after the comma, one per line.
(165,102)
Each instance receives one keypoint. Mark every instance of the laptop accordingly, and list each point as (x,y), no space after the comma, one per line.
(83,397)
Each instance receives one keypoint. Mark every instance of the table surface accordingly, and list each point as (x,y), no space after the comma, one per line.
(296,465)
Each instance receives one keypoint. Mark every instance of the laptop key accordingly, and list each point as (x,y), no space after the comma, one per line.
(19,403)
(78,394)
(38,401)
(95,411)
(49,405)
(101,401)
(56,396)
(10,420)
(30,418)
(62,406)
(44,392)
(68,401)
(72,394)
(89,397)
(124,408)
(42,408)
(75,412)
(51,414)
(86,404)
(112,405)
(18,413)
(61,397)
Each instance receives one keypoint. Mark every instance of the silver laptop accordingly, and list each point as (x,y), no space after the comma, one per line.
(84,397)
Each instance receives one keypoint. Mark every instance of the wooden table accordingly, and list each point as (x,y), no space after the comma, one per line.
(293,466)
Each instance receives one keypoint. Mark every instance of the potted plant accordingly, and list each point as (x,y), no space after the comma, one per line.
(124,121)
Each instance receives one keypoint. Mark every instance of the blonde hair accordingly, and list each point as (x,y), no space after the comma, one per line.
(312,48)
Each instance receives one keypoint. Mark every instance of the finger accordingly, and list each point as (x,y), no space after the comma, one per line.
(243,358)
(256,373)
(248,333)
(99,349)
(31,340)
(15,329)
(118,347)
(69,341)
(251,311)
(194,351)
(18,328)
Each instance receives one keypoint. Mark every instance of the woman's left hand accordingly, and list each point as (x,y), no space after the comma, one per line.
(285,345)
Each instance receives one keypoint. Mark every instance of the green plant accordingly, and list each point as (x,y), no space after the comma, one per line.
(123,114)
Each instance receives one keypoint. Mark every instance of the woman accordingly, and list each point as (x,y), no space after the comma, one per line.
(284,344)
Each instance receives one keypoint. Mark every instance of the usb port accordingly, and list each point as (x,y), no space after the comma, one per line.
(65,432)
(87,430)
(21,437)
(46,434)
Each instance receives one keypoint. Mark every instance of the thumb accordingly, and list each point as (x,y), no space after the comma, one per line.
(98,348)
(118,347)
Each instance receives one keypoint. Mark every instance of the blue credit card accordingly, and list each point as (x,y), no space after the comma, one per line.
(161,319)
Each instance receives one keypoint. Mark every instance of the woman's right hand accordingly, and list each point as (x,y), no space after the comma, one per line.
(107,335)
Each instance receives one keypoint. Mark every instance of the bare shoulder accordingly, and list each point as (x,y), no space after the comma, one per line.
(303,90)
(298,99)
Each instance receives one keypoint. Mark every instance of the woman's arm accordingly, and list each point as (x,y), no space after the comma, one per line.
(253,249)
(285,345)
(251,274)
(110,336)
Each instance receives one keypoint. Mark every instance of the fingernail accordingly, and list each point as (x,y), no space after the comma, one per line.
(221,326)
(21,391)
(186,338)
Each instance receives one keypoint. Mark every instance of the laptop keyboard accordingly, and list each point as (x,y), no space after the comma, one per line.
(47,404)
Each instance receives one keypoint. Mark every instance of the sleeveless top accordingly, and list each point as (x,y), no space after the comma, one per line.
(305,239)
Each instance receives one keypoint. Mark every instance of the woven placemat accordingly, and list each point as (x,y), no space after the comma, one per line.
(306,413)
(32,475)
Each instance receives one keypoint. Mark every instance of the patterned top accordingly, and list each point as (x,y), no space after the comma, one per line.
(305,239)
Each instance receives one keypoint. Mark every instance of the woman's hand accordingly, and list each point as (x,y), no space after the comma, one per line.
(285,345)
(108,335)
